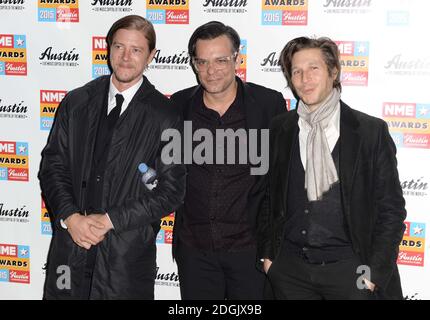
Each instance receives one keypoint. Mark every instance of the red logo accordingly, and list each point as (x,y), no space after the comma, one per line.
(18,174)
(168,237)
(416,140)
(8,250)
(177,16)
(241,73)
(411,258)
(19,276)
(398,110)
(16,68)
(294,18)
(354,78)
(67,15)
(7,147)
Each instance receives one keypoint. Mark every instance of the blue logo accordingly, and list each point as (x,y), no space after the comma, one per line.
(24,252)
(156,16)
(3,173)
(397,18)
(4,275)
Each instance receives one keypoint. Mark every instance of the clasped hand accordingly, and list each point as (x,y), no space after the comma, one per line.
(87,231)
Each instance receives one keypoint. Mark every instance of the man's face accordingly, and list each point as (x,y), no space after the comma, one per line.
(129,56)
(218,64)
(310,77)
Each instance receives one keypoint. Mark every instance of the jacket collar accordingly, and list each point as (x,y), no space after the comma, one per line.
(254,119)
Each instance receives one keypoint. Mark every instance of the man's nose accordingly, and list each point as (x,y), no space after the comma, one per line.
(306,76)
(126,54)
(211,67)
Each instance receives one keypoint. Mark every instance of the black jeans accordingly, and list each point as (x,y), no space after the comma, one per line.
(206,275)
(294,278)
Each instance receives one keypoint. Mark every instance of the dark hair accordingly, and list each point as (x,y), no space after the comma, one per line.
(133,22)
(329,50)
(212,30)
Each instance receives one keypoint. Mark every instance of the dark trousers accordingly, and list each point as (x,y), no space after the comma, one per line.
(293,278)
(206,275)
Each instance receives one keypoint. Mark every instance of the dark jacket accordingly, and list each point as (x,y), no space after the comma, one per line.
(126,257)
(261,105)
(372,198)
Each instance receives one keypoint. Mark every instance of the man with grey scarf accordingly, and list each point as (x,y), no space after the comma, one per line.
(336,206)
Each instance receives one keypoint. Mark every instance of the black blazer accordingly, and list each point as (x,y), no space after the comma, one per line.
(372,197)
(261,105)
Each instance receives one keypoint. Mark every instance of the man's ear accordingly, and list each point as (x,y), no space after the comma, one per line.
(238,61)
(151,56)
(334,73)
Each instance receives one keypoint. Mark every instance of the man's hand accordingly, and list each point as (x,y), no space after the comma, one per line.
(267,263)
(369,285)
(104,220)
(81,229)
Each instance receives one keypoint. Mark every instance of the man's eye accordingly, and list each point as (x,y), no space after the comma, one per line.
(222,61)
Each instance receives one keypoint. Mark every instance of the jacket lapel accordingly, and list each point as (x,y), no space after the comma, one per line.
(254,114)
(350,144)
(284,152)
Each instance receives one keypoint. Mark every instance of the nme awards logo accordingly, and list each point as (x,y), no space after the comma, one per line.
(354,60)
(58,10)
(409,123)
(241,72)
(13,110)
(13,55)
(168,11)
(347,6)
(45,221)
(165,235)
(12,5)
(412,246)
(14,263)
(13,161)
(15,214)
(49,101)
(100,57)
(225,6)
(177,61)
(284,12)
(112,5)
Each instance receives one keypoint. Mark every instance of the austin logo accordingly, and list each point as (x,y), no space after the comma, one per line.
(112,5)
(65,58)
(225,6)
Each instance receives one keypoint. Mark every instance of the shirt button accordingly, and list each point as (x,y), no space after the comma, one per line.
(305,249)
(306,211)
(304,232)
(98,178)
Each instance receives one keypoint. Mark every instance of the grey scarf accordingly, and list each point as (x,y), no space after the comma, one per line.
(320,169)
